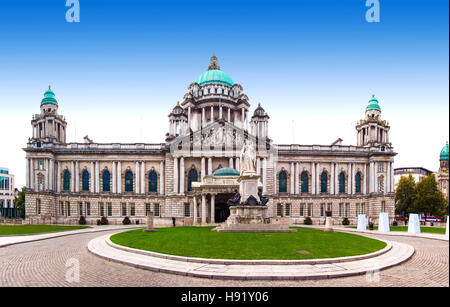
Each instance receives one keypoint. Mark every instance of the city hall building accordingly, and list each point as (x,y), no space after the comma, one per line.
(191,175)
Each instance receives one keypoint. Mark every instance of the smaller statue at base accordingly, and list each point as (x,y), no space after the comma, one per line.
(263,199)
(235,200)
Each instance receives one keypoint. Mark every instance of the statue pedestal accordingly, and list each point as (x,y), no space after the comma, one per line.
(150,223)
(248,185)
(362,222)
(328,224)
(383,222)
(413,223)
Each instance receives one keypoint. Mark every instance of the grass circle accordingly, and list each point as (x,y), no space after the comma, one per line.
(201,242)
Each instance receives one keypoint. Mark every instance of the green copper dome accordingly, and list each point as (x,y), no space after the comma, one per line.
(226,171)
(373,104)
(214,76)
(49,97)
(444,152)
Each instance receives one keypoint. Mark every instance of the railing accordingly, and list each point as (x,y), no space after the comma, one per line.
(98,146)
(337,148)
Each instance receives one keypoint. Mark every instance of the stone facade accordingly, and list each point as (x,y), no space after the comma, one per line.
(206,132)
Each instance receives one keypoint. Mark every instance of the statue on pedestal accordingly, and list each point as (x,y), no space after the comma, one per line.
(247,158)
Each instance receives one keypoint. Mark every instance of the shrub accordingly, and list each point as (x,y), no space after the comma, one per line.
(126,221)
(394,223)
(103,221)
(345,221)
(307,221)
(82,220)
(98,222)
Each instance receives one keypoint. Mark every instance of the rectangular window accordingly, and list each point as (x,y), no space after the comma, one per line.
(288,210)
(68,208)
(157,210)
(80,206)
(187,210)
(363,209)
(302,209)
(279,210)
(88,209)
(38,206)
(310,210)
(101,209)
(322,209)
(132,210)
(356,210)
(124,209)
(330,207)
(147,209)
(347,207)
(61,206)
(109,209)
(383,206)
(340,210)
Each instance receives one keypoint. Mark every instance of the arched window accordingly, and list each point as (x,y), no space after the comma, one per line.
(304,180)
(192,177)
(129,181)
(323,182)
(85,179)
(152,182)
(358,182)
(342,182)
(282,182)
(66,183)
(106,181)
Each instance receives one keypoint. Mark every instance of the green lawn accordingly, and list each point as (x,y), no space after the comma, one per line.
(204,243)
(34,229)
(405,228)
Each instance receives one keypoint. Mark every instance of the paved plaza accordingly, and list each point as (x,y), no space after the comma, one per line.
(43,263)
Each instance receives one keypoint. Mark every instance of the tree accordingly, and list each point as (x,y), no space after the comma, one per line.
(19,203)
(405,195)
(429,200)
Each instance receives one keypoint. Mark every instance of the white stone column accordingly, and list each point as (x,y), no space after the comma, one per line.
(72,176)
(365,179)
(318,178)
(203,117)
(175,175)
(28,173)
(243,118)
(210,166)
(349,178)
(332,179)
(336,179)
(92,175)
(231,163)
(189,117)
(292,178)
(392,178)
(237,165)
(195,210)
(258,166)
(220,111)
(97,176)
(203,173)
(161,177)
(138,178)
(77,177)
(229,115)
(213,208)
(264,175)
(182,175)
(58,178)
(142,177)
(46,187)
(372,175)
(114,177)
(212,114)
(297,178)
(203,209)
(313,178)
(119,177)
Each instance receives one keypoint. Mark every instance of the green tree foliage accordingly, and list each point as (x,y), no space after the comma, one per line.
(429,200)
(405,195)
(19,203)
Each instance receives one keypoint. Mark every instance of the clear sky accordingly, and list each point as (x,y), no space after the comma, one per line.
(312,64)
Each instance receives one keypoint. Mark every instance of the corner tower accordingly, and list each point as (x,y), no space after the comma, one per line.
(48,127)
(372,131)
(443,175)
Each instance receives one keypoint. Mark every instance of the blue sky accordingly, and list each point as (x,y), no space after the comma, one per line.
(312,64)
